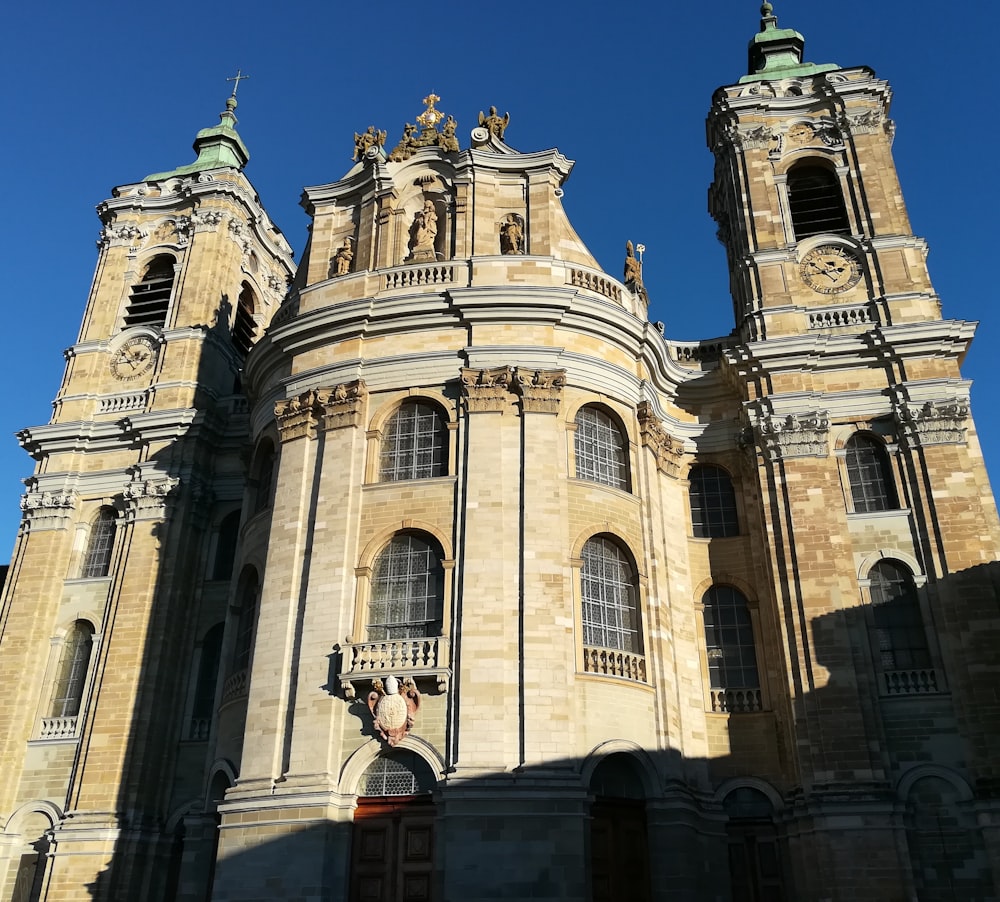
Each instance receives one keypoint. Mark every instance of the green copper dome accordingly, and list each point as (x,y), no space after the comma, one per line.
(217,148)
(777,52)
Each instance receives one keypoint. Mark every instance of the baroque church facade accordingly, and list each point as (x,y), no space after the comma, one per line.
(429,569)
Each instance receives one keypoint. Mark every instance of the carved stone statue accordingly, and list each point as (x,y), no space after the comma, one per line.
(633,268)
(447,140)
(406,146)
(394,707)
(424,234)
(342,261)
(494,124)
(512,234)
(369,138)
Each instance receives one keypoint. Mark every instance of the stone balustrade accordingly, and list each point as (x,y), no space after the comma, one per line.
(58,728)
(236,686)
(919,681)
(416,657)
(612,662)
(415,276)
(736,701)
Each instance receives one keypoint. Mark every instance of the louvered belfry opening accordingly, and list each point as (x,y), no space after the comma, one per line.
(150,297)
(816,202)
(244,327)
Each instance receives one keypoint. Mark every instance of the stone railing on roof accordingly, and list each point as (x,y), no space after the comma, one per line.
(699,354)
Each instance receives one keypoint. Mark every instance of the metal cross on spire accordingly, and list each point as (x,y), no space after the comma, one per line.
(237,78)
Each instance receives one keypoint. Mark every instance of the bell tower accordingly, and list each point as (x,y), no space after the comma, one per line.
(807,199)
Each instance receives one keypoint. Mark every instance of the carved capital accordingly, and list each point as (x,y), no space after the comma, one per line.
(298,417)
(942,422)
(540,390)
(793,435)
(148,498)
(344,405)
(756,138)
(46,510)
(867,123)
(124,234)
(666,450)
(485,391)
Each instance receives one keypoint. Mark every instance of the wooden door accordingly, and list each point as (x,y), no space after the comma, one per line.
(619,851)
(392,850)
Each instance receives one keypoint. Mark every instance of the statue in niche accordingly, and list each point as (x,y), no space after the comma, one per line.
(394,706)
(424,234)
(369,138)
(447,140)
(512,234)
(343,258)
(494,124)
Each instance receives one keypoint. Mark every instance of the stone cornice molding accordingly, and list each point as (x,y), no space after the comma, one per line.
(666,450)
(486,391)
(540,390)
(937,422)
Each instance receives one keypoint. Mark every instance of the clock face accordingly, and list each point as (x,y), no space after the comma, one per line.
(133,359)
(830,269)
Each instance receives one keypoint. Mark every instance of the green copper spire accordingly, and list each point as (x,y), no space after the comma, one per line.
(217,148)
(777,52)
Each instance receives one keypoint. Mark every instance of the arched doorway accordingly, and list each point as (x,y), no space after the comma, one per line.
(619,848)
(392,843)
(754,862)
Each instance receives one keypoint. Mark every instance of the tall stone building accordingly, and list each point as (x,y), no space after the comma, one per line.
(431,570)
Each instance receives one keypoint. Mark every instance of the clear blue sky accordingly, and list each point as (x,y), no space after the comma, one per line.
(100,95)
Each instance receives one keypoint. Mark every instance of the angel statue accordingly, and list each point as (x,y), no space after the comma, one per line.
(369,138)
(494,124)
(394,706)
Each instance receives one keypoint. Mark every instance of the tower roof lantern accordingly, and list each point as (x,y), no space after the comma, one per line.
(218,147)
(777,52)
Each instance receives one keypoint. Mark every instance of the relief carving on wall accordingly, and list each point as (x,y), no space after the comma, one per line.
(485,391)
(540,390)
(667,451)
(793,435)
(942,422)
(394,705)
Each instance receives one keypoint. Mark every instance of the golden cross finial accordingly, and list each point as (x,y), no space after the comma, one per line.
(430,117)
(237,78)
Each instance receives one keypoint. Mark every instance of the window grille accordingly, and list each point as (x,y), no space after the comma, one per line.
(816,202)
(870,475)
(72,675)
(713,503)
(407,593)
(600,449)
(399,773)
(899,640)
(610,599)
(415,443)
(732,654)
(97,561)
(150,298)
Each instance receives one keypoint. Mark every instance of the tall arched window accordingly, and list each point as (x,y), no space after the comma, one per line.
(225,548)
(415,443)
(713,503)
(609,590)
(244,326)
(731,651)
(600,449)
(870,475)
(97,560)
(407,591)
(72,675)
(899,637)
(816,201)
(208,676)
(264,464)
(150,297)
(246,623)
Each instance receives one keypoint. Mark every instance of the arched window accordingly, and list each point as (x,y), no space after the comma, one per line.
(870,475)
(609,589)
(754,864)
(899,638)
(246,623)
(264,463)
(72,675)
(731,651)
(208,676)
(150,297)
(600,448)
(407,591)
(97,560)
(415,443)
(713,503)
(816,202)
(225,548)
(244,326)
(397,773)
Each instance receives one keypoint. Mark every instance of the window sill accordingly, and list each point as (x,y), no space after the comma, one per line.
(594,484)
(736,701)
(57,729)
(626,666)
(878,515)
(389,483)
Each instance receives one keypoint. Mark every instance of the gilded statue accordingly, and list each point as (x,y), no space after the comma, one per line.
(493,123)
(369,138)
